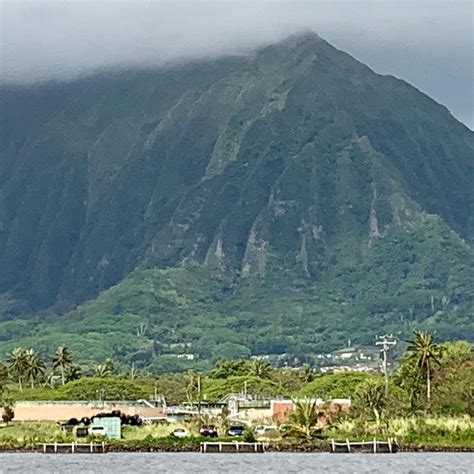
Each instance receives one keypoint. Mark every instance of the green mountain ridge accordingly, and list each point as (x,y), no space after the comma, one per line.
(279,203)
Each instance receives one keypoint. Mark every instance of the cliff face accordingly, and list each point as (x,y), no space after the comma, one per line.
(298,159)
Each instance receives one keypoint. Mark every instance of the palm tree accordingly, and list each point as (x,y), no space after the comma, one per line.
(18,363)
(72,372)
(102,370)
(35,367)
(307,373)
(423,351)
(304,418)
(62,359)
(259,368)
(194,388)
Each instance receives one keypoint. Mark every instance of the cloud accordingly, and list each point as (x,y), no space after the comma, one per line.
(425,42)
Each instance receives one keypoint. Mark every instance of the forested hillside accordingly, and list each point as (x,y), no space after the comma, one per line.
(283,202)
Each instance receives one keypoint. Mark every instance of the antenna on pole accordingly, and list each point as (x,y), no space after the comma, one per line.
(386,341)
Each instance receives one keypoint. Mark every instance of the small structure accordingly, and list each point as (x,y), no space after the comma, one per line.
(374,446)
(111,424)
(232,447)
(72,448)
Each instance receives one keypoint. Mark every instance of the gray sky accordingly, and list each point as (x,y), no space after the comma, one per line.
(429,43)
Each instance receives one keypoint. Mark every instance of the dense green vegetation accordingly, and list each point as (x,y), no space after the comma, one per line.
(441,382)
(419,279)
(279,204)
(429,400)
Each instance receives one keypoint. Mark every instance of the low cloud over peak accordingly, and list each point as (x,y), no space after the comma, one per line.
(427,43)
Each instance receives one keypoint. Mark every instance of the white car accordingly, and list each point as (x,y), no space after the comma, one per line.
(179,433)
(97,431)
(264,429)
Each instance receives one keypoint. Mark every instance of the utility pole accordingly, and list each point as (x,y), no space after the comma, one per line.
(386,341)
(199,396)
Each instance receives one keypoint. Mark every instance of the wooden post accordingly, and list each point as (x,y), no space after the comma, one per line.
(92,447)
(55,447)
(220,447)
(375,446)
(237,446)
(390,444)
(72,448)
(103,446)
(256,447)
(348,445)
(44,447)
(333,445)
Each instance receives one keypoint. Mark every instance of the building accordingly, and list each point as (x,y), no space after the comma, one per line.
(65,410)
(274,410)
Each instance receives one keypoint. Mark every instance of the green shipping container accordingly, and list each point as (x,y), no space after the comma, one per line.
(112,426)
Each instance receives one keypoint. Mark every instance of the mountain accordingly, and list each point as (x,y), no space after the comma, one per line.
(278,203)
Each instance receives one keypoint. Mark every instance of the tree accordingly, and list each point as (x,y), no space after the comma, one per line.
(193,387)
(8,413)
(72,372)
(259,368)
(62,358)
(3,373)
(230,350)
(304,418)
(35,367)
(370,398)
(307,373)
(101,370)
(110,364)
(105,369)
(228,367)
(423,352)
(18,363)
(3,378)
(410,380)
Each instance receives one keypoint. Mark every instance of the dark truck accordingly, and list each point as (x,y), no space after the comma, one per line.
(208,430)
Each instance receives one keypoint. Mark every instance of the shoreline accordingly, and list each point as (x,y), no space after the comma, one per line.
(276,447)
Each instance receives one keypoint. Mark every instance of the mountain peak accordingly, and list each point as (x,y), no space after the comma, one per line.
(299,169)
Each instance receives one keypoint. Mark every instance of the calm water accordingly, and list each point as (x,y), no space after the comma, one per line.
(236,463)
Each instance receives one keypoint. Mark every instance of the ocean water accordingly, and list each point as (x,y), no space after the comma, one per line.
(136,463)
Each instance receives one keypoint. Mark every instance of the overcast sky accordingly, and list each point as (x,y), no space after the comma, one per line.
(429,43)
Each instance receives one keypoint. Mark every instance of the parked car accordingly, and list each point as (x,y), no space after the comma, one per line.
(82,431)
(179,433)
(236,430)
(208,430)
(262,430)
(97,431)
